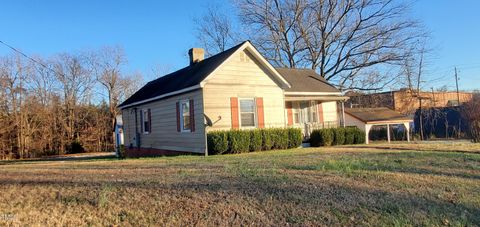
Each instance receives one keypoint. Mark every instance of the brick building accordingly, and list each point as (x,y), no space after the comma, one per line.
(407,101)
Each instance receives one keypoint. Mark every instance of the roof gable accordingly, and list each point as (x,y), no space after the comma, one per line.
(193,76)
(184,78)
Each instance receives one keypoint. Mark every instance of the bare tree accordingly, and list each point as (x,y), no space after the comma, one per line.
(349,42)
(76,82)
(215,30)
(471,113)
(107,65)
(275,26)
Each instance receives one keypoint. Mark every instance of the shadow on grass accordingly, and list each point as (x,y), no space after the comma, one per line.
(60,159)
(297,202)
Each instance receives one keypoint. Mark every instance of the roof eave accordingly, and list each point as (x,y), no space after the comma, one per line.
(188,89)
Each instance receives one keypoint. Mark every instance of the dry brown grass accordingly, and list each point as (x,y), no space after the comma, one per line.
(447,145)
(331,186)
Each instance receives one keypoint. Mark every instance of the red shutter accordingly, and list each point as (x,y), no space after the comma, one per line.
(192,116)
(149,121)
(141,121)
(234,108)
(178,117)
(260,116)
(320,112)
(288,105)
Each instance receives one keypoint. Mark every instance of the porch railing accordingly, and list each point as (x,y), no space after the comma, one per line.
(309,127)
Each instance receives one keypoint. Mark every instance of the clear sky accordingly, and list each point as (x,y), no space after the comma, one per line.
(159,33)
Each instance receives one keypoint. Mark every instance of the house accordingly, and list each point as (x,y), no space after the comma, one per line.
(366,118)
(407,101)
(235,89)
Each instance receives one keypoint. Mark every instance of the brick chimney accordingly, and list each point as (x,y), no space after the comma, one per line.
(196,55)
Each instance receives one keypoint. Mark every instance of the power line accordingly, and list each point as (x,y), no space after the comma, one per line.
(29,58)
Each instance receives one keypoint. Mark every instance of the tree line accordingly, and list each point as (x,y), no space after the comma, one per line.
(61,104)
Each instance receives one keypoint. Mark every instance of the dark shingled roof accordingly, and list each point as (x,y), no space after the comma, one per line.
(187,77)
(376,114)
(305,80)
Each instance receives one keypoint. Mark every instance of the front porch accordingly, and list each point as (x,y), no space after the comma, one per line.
(314,112)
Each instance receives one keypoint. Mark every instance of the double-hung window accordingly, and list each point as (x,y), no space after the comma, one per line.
(247,112)
(313,111)
(296,112)
(145,120)
(185,116)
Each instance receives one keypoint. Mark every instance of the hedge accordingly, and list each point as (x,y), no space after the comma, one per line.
(339,138)
(349,135)
(336,136)
(241,141)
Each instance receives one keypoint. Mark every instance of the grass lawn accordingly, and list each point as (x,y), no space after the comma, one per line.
(314,186)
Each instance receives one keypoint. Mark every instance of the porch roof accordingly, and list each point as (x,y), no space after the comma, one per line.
(315,98)
(381,115)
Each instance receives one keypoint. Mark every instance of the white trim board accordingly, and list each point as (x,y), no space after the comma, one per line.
(163,96)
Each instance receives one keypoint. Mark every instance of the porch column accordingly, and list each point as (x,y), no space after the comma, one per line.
(388,133)
(367,132)
(343,114)
(407,127)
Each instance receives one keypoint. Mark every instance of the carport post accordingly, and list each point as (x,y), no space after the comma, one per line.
(407,127)
(388,132)
(367,131)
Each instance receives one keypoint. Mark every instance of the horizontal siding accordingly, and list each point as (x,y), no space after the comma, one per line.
(164,133)
(330,111)
(351,121)
(242,79)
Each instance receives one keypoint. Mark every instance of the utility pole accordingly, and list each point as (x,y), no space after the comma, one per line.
(419,96)
(456,82)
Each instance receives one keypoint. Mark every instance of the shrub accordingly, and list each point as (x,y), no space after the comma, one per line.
(121,152)
(350,135)
(321,137)
(294,137)
(280,138)
(75,147)
(339,136)
(315,138)
(256,140)
(327,137)
(359,136)
(267,142)
(239,141)
(217,142)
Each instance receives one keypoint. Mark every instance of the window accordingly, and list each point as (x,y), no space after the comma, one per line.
(145,120)
(296,113)
(313,110)
(185,115)
(247,113)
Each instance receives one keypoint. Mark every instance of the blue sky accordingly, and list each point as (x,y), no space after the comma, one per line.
(159,33)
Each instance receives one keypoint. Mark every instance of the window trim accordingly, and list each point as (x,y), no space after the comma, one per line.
(143,120)
(314,112)
(255,117)
(296,110)
(181,102)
